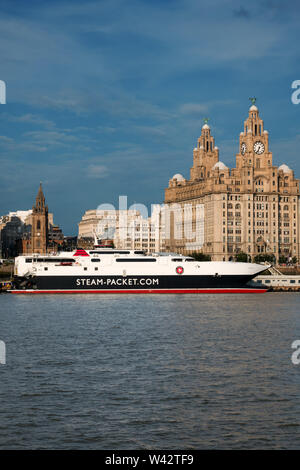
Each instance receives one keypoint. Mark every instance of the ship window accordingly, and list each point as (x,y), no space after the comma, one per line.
(177,259)
(109,252)
(95,260)
(54,260)
(45,269)
(135,260)
(292,281)
(85,269)
(96,269)
(139,252)
(267,281)
(189,259)
(28,260)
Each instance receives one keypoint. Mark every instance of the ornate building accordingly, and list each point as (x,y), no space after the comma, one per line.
(31,231)
(252,208)
(39,221)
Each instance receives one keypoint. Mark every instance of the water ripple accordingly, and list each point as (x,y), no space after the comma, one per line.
(135,372)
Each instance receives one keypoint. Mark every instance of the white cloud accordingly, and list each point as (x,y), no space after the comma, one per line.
(32,119)
(6,140)
(96,171)
(193,108)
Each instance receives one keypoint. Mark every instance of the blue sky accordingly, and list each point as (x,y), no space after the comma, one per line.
(107,98)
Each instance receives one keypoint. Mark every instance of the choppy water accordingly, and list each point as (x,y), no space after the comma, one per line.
(149,372)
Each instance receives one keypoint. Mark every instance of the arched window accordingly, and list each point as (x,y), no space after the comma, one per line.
(38,225)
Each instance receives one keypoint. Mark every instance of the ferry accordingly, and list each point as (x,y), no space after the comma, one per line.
(108,270)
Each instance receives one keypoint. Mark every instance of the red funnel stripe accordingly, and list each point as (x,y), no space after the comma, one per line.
(81,253)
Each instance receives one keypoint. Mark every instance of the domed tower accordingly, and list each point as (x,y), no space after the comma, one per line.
(254,142)
(206,154)
(39,230)
(177,180)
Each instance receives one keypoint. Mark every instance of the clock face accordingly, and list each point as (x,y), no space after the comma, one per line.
(259,147)
(243,148)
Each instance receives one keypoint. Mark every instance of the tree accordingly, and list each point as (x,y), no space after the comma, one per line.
(264,257)
(242,257)
(201,257)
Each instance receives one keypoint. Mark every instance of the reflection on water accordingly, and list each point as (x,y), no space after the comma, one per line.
(149,372)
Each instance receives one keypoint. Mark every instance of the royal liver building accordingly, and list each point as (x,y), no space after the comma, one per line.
(252,208)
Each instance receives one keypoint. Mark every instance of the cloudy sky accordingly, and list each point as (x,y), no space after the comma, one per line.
(107,97)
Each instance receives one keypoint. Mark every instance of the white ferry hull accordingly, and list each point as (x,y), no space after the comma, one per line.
(102,273)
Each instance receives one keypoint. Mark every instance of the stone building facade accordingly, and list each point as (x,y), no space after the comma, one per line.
(39,224)
(126,228)
(40,234)
(13,226)
(252,208)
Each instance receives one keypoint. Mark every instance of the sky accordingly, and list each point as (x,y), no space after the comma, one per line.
(107,98)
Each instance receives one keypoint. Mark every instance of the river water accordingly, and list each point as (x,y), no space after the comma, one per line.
(149,372)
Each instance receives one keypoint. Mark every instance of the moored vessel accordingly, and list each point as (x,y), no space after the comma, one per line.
(107,270)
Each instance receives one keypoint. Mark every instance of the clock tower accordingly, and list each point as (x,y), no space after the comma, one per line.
(252,209)
(39,230)
(254,142)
